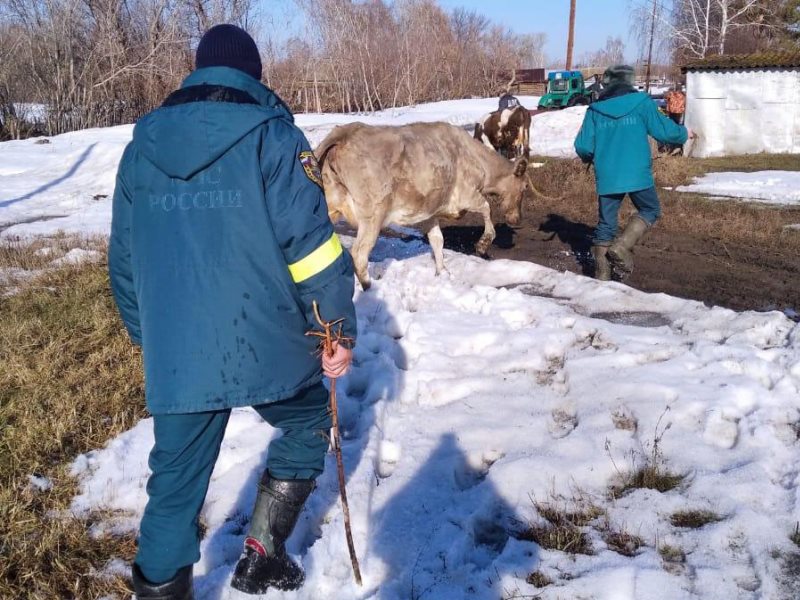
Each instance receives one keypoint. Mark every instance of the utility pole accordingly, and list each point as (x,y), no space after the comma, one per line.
(650,50)
(571,37)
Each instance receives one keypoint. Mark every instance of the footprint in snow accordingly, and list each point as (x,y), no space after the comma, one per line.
(721,431)
(563,420)
(388,457)
(624,419)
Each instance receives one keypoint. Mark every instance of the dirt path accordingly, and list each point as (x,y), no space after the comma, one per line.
(715,272)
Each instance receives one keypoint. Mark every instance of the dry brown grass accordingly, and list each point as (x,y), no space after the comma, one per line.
(651,476)
(693,519)
(538,579)
(20,260)
(750,224)
(672,554)
(564,528)
(621,541)
(69,381)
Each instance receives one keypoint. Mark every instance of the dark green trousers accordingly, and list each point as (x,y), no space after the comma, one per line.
(182,459)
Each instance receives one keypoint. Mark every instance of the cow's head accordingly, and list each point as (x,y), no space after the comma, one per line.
(514,189)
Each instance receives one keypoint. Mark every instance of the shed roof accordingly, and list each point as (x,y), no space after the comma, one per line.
(744,61)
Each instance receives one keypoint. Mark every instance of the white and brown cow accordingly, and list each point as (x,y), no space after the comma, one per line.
(506,131)
(377,176)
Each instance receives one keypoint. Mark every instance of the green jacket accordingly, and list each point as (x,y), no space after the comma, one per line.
(614,136)
(220,241)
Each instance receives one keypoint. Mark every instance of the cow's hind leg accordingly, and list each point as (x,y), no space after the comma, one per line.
(436,240)
(365,241)
(482,247)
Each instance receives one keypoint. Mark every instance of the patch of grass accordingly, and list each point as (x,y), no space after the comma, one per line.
(653,473)
(694,519)
(563,538)
(651,477)
(538,579)
(622,542)
(750,163)
(69,381)
(21,260)
(562,529)
(672,554)
(580,516)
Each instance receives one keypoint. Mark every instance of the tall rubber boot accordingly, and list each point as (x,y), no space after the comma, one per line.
(620,253)
(177,588)
(602,268)
(264,563)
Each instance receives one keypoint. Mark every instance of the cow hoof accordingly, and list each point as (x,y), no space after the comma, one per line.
(482,250)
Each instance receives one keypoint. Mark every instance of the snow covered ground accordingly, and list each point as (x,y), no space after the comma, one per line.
(769,187)
(476,395)
(504,383)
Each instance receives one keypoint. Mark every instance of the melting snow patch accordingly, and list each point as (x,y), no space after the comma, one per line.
(771,187)
(39,483)
(77,256)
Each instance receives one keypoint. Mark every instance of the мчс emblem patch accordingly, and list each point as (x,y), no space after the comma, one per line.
(311,167)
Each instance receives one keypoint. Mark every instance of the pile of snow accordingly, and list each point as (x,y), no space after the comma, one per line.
(770,187)
(554,133)
(67,184)
(476,393)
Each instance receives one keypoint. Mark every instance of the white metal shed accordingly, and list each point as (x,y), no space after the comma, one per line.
(744,104)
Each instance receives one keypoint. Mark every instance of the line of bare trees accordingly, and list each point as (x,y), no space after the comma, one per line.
(96,63)
(374,55)
(691,29)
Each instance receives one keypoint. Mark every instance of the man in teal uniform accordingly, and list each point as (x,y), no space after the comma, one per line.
(220,242)
(614,137)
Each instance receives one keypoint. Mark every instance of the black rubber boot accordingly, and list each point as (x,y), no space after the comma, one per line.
(264,563)
(602,268)
(177,588)
(620,253)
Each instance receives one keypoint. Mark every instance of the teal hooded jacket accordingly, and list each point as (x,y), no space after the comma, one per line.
(220,242)
(614,136)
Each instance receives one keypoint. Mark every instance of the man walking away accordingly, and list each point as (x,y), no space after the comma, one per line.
(614,136)
(220,241)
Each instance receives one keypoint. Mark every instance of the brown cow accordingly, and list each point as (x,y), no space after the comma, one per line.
(377,176)
(506,131)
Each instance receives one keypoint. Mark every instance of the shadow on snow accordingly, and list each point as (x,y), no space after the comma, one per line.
(72,170)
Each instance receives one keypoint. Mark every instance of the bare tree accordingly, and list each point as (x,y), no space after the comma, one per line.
(612,54)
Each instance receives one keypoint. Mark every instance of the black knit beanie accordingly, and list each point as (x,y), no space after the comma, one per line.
(229,46)
(619,74)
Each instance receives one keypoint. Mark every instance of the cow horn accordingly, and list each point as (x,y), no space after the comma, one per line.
(536,191)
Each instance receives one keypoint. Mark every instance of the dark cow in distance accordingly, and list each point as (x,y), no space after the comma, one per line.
(506,131)
(418,173)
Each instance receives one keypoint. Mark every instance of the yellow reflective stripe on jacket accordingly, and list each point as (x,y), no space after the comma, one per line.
(316,262)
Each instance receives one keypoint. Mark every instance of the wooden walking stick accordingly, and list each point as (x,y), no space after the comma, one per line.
(327,339)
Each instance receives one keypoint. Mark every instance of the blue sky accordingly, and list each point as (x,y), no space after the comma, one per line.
(596,20)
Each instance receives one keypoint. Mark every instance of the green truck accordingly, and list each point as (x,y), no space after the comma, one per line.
(568,88)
